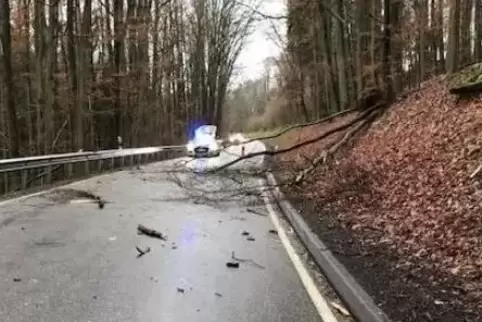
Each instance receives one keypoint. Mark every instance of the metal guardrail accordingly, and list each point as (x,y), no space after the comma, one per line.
(23,173)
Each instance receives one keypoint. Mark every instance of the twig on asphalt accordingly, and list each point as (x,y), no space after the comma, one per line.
(253,211)
(142,252)
(238,218)
(232,264)
(150,232)
(247,260)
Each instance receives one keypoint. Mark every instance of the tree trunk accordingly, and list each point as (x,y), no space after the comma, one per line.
(8,78)
(440,36)
(340,57)
(119,63)
(453,37)
(51,47)
(465,31)
(396,46)
(373,45)
(478,31)
(76,115)
(386,55)
(423,26)
(84,68)
(330,79)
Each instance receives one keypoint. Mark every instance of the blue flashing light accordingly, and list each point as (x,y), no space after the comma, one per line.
(192,126)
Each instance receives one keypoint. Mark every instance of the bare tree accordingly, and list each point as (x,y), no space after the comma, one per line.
(8,78)
(453,37)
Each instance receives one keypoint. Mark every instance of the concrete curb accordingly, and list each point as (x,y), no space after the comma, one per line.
(360,304)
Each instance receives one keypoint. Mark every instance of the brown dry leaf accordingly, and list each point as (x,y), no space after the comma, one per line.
(408,178)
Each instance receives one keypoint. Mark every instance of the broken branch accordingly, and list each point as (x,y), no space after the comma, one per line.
(325,154)
(256,212)
(343,127)
(233,257)
(297,126)
(150,232)
(142,252)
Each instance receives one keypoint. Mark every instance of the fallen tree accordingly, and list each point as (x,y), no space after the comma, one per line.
(367,116)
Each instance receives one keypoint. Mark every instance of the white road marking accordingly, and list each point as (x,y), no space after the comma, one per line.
(318,300)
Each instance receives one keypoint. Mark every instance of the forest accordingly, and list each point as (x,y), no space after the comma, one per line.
(76,74)
(336,51)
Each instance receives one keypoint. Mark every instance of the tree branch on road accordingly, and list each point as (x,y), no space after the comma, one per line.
(366,114)
(302,125)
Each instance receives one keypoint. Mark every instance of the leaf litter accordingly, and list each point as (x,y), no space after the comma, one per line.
(405,186)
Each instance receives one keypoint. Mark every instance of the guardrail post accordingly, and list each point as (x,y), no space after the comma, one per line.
(86,166)
(99,165)
(122,162)
(48,174)
(24,179)
(69,170)
(132,160)
(112,163)
(5,182)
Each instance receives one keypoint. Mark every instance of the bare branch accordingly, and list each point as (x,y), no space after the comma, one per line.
(297,126)
(364,115)
(325,154)
(261,14)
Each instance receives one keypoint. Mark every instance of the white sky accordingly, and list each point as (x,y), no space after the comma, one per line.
(262,43)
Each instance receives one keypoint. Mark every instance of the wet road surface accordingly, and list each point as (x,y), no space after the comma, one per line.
(67,260)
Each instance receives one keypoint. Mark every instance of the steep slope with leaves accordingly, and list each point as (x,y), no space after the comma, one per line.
(407,189)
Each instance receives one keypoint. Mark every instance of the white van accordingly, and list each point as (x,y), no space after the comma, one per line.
(204,143)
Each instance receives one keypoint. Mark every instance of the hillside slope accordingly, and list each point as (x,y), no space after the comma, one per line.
(399,205)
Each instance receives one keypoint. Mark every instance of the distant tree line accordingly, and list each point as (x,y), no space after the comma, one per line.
(76,74)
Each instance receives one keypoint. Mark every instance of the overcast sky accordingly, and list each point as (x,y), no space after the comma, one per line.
(261,44)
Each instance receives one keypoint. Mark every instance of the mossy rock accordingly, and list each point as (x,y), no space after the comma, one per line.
(466,81)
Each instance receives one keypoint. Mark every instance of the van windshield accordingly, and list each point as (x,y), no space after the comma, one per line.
(207,130)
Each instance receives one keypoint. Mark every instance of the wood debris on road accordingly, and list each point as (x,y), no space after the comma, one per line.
(142,230)
(233,257)
(142,252)
(256,212)
(232,264)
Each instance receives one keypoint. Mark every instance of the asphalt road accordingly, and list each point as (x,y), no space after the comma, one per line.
(64,259)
